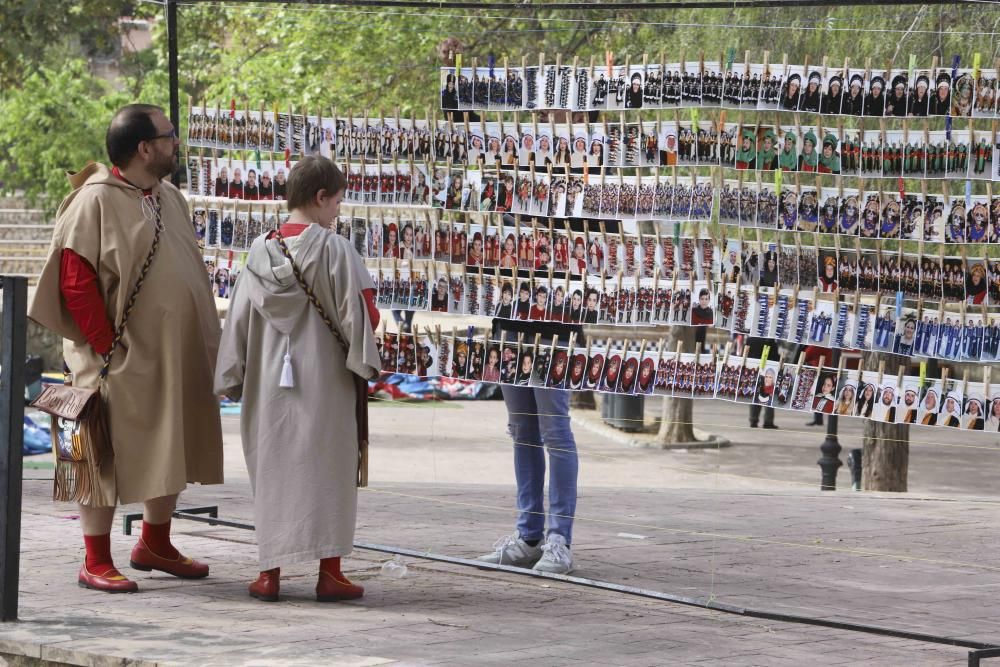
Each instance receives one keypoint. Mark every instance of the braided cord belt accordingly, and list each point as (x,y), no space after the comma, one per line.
(130,304)
(313,299)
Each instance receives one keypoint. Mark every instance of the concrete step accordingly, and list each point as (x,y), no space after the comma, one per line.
(27,232)
(17,216)
(20,248)
(21,266)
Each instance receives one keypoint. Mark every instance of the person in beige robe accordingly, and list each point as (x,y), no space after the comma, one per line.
(295,380)
(164,417)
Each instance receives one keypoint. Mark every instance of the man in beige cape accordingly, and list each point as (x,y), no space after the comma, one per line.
(164,417)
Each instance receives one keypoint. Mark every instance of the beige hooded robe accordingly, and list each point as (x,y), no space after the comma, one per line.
(165,426)
(300,441)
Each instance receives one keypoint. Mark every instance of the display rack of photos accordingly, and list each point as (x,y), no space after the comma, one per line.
(846,298)
(632,366)
(817,85)
(932,149)
(480,217)
(941,211)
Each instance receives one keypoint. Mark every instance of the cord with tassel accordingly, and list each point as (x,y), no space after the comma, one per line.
(287,379)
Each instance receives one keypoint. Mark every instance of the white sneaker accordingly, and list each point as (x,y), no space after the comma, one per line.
(512,550)
(556,557)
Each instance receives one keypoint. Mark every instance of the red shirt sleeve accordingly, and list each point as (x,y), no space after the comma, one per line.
(373,313)
(80,291)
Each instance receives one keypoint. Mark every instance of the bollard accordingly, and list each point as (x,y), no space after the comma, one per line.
(854,461)
(829,461)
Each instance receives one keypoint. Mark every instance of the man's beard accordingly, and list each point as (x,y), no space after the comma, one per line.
(165,166)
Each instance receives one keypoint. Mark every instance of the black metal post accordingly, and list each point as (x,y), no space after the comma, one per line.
(175,103)
(976,656)
(14,327)
(829,460)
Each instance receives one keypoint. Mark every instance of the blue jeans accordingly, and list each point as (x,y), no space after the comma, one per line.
(538,417)
(403,319)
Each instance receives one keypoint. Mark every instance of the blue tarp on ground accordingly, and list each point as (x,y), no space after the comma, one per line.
(398,385)
(37,438)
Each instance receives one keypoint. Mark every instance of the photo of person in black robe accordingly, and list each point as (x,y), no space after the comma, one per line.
(834,96)
(875,100)
(940,104)
(895,103)
(919,101)
(854,98)
(791,93)
(633,98)
(449,96)
(810,99)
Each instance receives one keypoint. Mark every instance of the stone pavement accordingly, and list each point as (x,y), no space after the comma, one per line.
(742,525)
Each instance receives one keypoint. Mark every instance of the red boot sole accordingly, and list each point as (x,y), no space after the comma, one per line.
(338,598)
(104,590)
(150,568)
(264,598)
(328,598)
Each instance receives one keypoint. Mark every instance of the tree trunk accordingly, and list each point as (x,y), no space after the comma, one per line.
(886,453)
(678,413)
(675,424)
(886,456)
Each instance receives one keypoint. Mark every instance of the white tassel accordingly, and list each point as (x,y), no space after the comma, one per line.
(287,381)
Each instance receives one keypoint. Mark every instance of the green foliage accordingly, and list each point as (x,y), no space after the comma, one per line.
(55,122)
(361,60)
(53,32)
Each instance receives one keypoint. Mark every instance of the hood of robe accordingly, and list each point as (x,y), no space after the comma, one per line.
(273,289)
(93,173)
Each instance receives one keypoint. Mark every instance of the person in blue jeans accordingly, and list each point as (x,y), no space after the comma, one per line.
(404,320)
(539,424)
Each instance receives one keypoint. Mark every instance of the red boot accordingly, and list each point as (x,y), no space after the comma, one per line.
(266,587)
(333,585)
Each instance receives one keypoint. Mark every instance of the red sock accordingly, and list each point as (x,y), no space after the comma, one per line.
(331,566)
(157,539)
(98,553)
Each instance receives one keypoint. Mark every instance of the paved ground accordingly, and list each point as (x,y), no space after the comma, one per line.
(742,525)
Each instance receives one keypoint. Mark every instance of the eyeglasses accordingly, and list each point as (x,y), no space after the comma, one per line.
(172,134)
